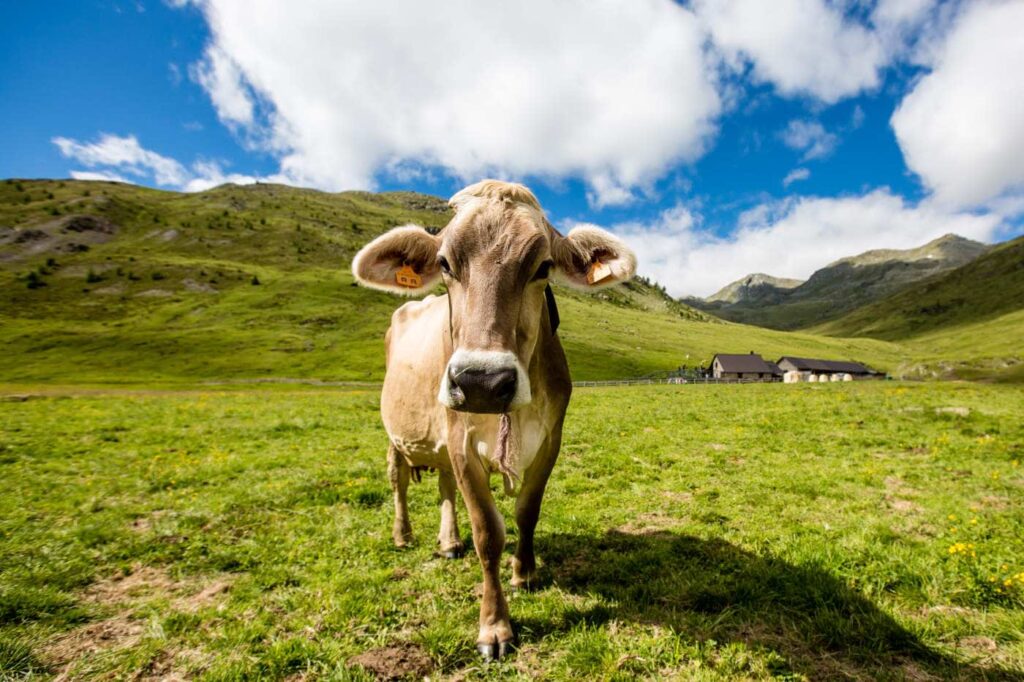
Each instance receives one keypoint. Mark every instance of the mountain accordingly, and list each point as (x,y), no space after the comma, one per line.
(841,286)
(986,288)
(972,317)
(104,282)
(756,287)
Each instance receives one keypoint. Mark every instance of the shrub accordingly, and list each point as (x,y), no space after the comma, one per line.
(34,281)
(92,277)
(255,281)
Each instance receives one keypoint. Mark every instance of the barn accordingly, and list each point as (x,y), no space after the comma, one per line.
(744,366)
(808,367)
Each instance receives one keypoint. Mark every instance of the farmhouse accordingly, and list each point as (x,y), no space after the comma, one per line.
(827,369)
(749,366)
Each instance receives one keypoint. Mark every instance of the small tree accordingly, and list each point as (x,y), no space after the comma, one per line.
(255,281)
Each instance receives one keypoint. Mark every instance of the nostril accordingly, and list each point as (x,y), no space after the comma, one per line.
(505,385)
(457,394)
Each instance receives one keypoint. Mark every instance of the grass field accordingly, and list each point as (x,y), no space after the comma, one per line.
(845,531)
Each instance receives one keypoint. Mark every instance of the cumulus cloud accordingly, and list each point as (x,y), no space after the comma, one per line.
(789,238)
(795,175)
(810,137)
(961,127)
(614,94)
(125,154)
(801,47)
(221,78)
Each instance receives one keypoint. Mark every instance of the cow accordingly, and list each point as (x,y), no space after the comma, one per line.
(476,380)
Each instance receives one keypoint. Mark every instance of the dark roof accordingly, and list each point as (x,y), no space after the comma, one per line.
(748,363)
(776,370)
(816,365)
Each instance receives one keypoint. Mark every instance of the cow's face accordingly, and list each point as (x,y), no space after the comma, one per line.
(496,257)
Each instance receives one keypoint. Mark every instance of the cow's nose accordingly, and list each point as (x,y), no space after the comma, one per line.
(482,390)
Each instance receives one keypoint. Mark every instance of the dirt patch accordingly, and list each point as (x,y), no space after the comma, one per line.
(403,661)
(154,293)
(123,594)
(119,632)
(112,290)
(197,287)
(957,411)
(69,234)
(649,523)
(206,596)
(983,645)
(142,583)
(88,223)
(902,506)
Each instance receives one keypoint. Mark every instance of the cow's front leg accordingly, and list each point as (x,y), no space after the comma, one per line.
(398,474)
(524,562)
(448,537)
(496,638)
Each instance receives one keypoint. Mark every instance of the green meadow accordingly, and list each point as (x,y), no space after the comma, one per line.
(845,531)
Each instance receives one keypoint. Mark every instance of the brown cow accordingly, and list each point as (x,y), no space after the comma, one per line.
(476,380)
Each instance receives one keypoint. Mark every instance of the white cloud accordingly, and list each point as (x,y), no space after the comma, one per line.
(222,80)
(810,137)
(961,128)
(98,175)
(614,94)
(126,154)
(790,238)
(795,175)
(802,47)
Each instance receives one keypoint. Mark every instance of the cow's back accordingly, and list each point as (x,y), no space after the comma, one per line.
(416,359)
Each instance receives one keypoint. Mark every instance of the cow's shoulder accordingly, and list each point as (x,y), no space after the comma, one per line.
(420,311)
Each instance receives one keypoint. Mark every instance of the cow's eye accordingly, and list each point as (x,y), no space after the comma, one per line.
(443,263)
(543,271)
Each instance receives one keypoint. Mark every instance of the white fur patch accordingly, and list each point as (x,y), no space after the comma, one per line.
(491,361)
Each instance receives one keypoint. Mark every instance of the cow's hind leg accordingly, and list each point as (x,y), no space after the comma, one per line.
(448,537)
(398,474)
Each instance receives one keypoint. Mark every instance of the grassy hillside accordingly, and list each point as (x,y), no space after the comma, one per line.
(105,282)
(842,286)
(966,323)
(982,290)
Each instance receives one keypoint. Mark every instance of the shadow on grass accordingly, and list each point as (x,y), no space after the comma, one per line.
(712,590)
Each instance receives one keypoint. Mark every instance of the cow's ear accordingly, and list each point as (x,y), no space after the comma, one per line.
(401,261)
(591,258)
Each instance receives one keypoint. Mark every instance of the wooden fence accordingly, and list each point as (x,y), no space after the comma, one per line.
(676,381)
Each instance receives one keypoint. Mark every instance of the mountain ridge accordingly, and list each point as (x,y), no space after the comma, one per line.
(843,285)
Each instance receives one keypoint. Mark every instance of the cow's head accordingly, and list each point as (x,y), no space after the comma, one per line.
(495,257)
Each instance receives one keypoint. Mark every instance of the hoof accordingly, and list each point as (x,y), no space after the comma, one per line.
(493,651)
(456,552)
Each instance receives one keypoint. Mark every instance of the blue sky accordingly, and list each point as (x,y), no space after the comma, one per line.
(674,125)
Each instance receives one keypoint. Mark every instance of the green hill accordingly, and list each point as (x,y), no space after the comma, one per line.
(969,320)
(837,288)
(105,282)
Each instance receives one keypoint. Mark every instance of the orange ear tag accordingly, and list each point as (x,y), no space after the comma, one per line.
(598,273)
(408,278)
